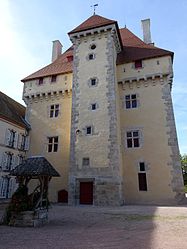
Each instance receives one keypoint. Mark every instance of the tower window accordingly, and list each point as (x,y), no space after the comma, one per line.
(93,46)
(142,166)
(138,64)
(93,106)
(142,180)
(91,56)
(54,111)
(52,144)
(70,58)
(89,130)
(86,161)
(131,101)
(133,139)
(93,82)
(53,78)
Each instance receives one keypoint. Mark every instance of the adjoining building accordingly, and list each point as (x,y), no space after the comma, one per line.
(106,104)
(14,142)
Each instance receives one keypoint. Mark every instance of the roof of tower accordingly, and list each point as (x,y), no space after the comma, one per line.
(94,21)
(133,49)
(12,110)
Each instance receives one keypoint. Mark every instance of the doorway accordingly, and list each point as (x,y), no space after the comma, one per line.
(86,193)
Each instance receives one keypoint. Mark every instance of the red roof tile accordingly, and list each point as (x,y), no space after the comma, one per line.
(133,49)
(94,21)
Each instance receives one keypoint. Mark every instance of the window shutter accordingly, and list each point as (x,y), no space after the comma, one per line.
(27,142)
(48,111)
(19,140)
(1,158)
(7,137)
(16,140)
(4,161)
(13,163)
(4,186)
(1,185)
(11,187)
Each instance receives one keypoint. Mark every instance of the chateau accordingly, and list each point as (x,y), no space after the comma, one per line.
(102,114)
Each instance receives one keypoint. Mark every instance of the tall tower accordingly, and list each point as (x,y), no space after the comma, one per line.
(95,170)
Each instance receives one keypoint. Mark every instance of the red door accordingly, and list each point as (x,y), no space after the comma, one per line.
(86,193)
(63,196)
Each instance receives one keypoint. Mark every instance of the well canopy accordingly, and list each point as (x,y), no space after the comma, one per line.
(35,166)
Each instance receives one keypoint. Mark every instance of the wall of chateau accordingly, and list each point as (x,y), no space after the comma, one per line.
(162,166)
(38,115)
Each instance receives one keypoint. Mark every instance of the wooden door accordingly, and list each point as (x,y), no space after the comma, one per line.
(86,193)
(63,196)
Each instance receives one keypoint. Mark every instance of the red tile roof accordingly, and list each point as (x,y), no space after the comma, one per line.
(59,66)
(11,110)
(133,49)
(94,21)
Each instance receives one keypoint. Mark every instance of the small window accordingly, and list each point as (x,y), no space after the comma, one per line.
(54,111)
(93,46)
(91,56)
(93,82)
(40,81)
(133,139)
(52,144)
(93,106)
(142,180)
(53,78)
(70,58)
(89,130)
(86,161)
(142,166)
(131,101)
(138,64)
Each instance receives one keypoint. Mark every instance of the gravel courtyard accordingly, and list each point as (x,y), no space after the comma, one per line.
(127,227)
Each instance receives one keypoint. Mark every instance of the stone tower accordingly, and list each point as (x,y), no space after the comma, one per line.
(95,168)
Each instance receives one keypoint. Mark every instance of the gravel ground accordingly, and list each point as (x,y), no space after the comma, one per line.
(84,227)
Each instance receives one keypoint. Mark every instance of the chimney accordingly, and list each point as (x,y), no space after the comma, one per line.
(146,31)
(57,50)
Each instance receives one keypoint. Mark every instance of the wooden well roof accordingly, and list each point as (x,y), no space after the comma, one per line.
(35,166)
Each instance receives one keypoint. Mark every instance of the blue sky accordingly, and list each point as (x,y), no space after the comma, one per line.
(29,27)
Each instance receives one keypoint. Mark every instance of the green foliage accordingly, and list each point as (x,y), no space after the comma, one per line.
(184,167)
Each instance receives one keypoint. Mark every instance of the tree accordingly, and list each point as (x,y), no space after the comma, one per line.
(183,159)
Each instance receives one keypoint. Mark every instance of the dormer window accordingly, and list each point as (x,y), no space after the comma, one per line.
(70,58)
(53,78)
(138,64)
(40,81)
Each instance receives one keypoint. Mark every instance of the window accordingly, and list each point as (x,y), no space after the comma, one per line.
(93,106)
(93,82)
(52,144)
(40,81)
(53,78)
(142,180)
(54,111)
(23,140)
(4,182)
(91,56)
(93,46)
(10,138)
(133,138)
(20,158)
(131,101)
(142,166)
(86,161)
(138,64)
(7,161)
(70,58)
(89,130)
